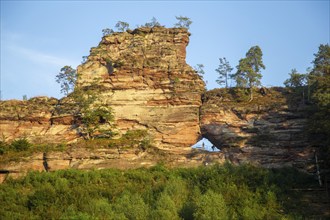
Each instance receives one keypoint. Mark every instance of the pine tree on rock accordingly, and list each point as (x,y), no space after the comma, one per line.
(248,70)
(224,71)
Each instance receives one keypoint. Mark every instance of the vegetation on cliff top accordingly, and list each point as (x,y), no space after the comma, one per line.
(217,192)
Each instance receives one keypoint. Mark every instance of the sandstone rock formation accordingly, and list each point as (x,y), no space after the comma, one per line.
(143,76)
(269,131)
(36,120)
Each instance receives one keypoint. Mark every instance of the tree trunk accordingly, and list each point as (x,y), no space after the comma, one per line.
(251,94)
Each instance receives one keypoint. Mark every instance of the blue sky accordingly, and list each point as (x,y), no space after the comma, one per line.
(40,37)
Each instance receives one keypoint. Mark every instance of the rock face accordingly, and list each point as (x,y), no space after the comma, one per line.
(36,120)
(269,131)
(143,76)
(101,158)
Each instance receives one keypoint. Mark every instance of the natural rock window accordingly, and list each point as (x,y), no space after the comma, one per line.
(205,144)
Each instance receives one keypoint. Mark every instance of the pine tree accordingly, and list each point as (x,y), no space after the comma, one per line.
(224,71)
(67,77)
(248,70)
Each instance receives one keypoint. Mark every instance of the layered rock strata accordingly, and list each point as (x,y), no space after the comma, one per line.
(37,120)
(269,131)
(102,158)
(143,76)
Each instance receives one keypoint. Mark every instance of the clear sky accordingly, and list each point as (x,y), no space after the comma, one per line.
(40,37)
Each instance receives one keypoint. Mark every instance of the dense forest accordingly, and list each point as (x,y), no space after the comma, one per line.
(216,192)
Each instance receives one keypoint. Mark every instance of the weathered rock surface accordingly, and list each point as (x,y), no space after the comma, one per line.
(269,131)
(144,77)
(102,158)
(35,120)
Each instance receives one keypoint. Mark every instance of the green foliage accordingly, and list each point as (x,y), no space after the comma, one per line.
(183,22)
(319,81)
(248,70)
(153,23)
(200,70)
(131,206)
(165,208)
(93,119)
(211,206)
(3,147)
(122,26)
(133,139)
(296,79)
(322,61)
(84,59)
(217,192)
(107,31)
(21,144)
(67,78)
(224,71)
(95,116)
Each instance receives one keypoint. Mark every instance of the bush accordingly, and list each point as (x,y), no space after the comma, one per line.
(211,206)
(165,208)
(132,206)
(3,147)
(133,139)
(21,144)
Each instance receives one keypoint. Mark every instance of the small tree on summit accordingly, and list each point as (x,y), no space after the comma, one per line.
(67,78)
(183,22)
(107,31)
(224,71)
(248,70)
(153,23)
(122,26)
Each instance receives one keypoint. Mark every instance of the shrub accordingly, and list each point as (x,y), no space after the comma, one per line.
(132,206)
(133,139)
(21,144)
(3,147)
(211,206)
(165,208)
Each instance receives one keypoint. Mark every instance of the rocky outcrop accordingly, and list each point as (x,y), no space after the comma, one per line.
(143,76)
(78,157)
(36,120)
(269,131)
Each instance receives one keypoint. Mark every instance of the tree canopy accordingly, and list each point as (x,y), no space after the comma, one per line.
(199,68)
(67,78)
(319,79)
(153,23)
(122,26)
(224,71)
(248,70)
(296,79)
(183,22)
